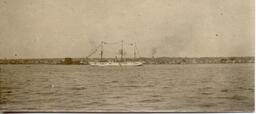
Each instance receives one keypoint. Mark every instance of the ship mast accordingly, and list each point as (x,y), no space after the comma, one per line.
(134,53)
(122,49)
(101,51)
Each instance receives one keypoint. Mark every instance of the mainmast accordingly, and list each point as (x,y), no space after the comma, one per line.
(101,51)
(122,50)
(134,53)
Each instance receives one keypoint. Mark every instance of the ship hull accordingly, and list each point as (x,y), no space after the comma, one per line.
(116,63)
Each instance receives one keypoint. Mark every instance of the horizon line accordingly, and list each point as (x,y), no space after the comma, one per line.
(130,58)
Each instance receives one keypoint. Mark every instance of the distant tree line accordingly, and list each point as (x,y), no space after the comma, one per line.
(159,60)
(198,60)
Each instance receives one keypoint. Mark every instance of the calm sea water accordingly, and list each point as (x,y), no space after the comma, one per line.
(157,88)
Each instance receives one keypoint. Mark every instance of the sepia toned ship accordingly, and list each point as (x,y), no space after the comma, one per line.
(116,61)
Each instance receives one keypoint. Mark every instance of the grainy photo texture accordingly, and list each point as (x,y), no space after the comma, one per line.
(127,55)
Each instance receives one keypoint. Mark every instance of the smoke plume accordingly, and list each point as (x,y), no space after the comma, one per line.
(154,51)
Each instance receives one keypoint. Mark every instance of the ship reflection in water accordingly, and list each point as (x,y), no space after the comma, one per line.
(166,88)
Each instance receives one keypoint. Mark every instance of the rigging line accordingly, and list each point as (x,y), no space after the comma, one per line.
(93,51)
(96,49)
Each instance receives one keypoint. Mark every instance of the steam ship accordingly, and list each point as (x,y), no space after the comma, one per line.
(116,61)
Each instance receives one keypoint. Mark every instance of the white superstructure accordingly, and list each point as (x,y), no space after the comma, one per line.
(116,63)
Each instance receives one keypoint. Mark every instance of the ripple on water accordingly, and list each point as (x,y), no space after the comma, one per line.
(234,97)
(151,101)
(238,97)
(78,88)
(208,105)
(97,103)
(117,97)
(205,93)
(4,100)
(224,90)
(130,86)
(156,96)
(114,81)
(45,93)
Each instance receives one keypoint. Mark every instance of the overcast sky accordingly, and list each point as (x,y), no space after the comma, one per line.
(71,28)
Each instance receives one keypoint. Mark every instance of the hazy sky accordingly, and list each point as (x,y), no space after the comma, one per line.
(71,28)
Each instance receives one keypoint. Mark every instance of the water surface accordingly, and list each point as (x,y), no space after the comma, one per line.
(157,88)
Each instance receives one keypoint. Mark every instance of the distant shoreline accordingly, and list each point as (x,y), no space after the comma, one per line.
(147,60)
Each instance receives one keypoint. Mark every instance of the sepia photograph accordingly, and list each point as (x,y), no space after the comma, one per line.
(127,55)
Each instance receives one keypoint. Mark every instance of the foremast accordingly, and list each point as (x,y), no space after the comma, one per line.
(101,51)
(122,50)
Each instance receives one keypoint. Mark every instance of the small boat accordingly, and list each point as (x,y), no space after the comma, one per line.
(116,62)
